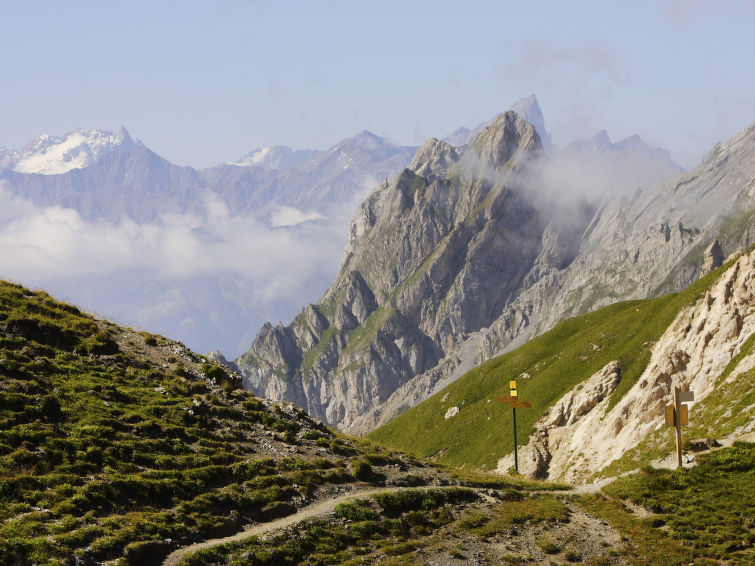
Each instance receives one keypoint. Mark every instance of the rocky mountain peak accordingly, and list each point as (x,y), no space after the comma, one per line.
(601,140)
(509,134)
(529,109)
(434,158)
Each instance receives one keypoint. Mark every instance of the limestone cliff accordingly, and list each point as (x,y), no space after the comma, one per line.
(581,433)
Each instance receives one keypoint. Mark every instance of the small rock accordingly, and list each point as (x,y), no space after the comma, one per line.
(451,412)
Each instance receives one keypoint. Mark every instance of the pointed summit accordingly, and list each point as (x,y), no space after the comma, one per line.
(510,133)
(529,109)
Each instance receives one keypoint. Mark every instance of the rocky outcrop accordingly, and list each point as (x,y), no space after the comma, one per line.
(580,435)
(713,258)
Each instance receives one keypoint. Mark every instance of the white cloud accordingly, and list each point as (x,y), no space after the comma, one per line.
(208,279)
(44,243)
(290,216)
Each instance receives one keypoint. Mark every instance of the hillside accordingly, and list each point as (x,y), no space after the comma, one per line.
(701,516)
(123,447)
(598,384)
(116,443)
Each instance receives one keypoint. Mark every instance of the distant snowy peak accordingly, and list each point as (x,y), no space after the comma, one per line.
(52,155)
(277,157)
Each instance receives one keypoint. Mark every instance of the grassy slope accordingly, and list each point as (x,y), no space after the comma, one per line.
(557,361)
(113,441)
(708,508)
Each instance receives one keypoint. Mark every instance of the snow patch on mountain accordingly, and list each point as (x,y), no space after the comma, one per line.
(277,157)
(52,155)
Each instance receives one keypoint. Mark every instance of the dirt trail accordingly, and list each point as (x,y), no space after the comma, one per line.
(315,510)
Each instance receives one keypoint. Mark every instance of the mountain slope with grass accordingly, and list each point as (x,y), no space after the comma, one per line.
(598,384)
(121,447)
(117,444)
(700,515)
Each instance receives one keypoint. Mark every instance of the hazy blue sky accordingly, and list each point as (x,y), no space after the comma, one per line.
(205,82)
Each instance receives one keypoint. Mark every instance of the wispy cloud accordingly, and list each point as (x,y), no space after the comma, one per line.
(540,62)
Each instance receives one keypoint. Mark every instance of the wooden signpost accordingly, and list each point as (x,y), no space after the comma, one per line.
(677,415)
(513,399)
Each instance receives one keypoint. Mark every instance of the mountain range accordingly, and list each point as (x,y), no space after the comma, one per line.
(472,250)
(214,253)
(119,186)
(603,293)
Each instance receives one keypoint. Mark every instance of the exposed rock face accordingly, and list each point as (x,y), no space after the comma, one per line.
(713,258)
(579,435)
(429,260)
(466,254)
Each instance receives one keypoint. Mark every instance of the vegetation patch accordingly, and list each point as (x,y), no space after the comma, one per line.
(112,442)
(708,507)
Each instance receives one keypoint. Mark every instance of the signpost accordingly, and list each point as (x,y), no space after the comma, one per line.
(677,415)
(513,399)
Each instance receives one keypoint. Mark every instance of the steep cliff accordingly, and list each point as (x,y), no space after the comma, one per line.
(431,258)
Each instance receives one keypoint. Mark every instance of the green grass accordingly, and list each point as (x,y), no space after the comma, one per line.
(707,508)
(557,361)
(646,544)
(107,450)
(367,530)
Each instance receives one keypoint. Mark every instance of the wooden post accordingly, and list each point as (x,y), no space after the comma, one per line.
(678,426)
(516,456)
(677,416)
(513,398)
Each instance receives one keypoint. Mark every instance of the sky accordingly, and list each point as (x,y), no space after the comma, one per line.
(204,82)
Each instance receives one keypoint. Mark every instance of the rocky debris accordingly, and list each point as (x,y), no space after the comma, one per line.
(583,398)
(451,412)
(548,453)
(703,444)
(691,354)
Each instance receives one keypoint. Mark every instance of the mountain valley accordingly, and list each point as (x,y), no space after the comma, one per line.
(598,277)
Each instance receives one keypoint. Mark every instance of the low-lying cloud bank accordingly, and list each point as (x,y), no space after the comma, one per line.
(254,267)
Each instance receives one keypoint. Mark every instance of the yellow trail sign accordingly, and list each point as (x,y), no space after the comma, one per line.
(669,415)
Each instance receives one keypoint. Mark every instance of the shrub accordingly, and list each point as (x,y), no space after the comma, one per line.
(362,470)
(359,510)
(548,546)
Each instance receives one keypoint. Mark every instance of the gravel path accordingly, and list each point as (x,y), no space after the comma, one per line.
(315,510)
